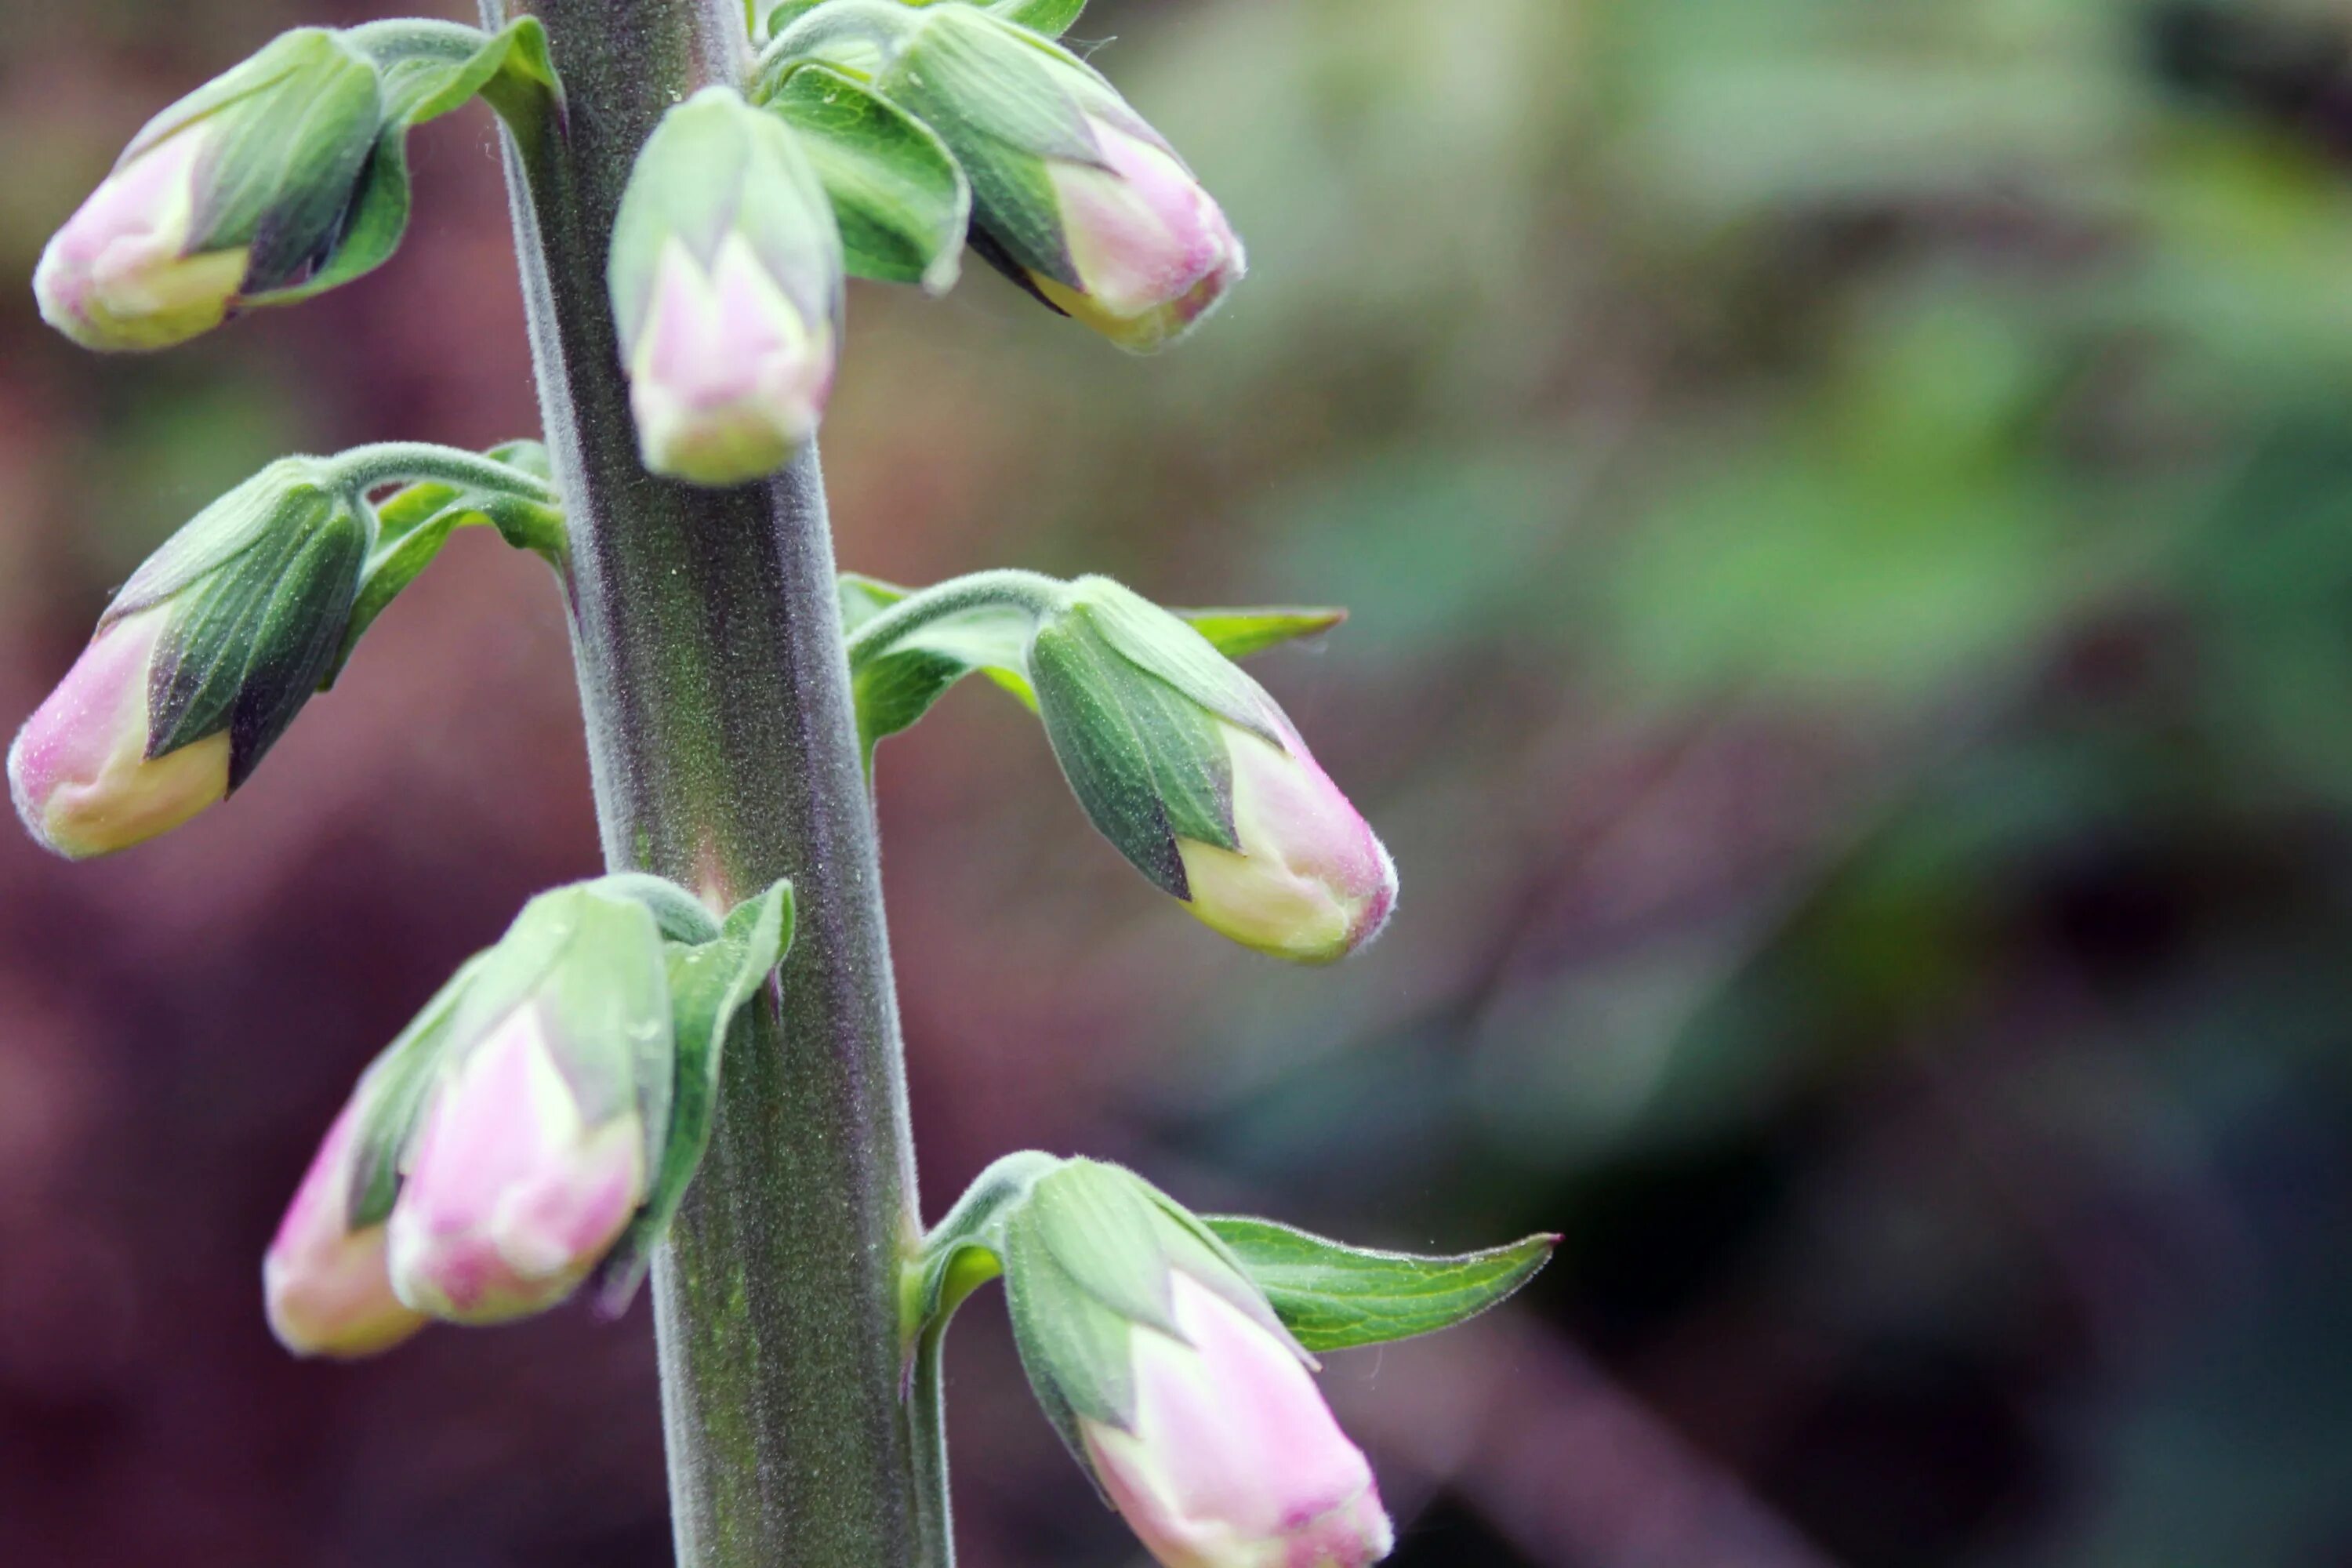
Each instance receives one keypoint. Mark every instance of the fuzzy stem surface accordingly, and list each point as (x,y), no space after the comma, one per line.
(723,746)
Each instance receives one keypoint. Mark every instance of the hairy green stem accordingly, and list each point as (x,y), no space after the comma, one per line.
(1023,597)
(723,745)
(410,462)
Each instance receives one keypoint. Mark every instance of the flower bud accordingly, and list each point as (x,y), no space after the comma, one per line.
(1200,781)
(240,188)
(79,771)
(1174,1382)
(1075,196)
(324,1280)
(196,668)
(532,1155)
(727,286)
(1233,1460)
(512,1194)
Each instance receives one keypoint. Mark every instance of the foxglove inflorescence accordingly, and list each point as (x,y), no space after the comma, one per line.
(534,1131)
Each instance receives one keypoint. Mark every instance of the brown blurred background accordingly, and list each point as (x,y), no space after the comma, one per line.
(1847,507)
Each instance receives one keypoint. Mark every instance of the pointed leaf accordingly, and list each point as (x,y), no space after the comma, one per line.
(1047,18)
(1335,1297)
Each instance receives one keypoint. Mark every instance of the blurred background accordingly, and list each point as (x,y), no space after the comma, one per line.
(1847,509)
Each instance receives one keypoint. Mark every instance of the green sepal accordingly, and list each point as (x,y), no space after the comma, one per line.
(391,1100)
(1148,766)
(1089,1252)
(427,69)
(591,960)
(414,522)
(901,201)
(1006,101)
(289,129)
(258,588)
(1334,1297)
(709,983)
(1163,647)
(714,168)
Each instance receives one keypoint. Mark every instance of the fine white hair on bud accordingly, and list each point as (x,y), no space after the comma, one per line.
(725,275)
(80,772)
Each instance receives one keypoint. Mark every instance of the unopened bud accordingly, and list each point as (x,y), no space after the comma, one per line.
(727,286)
(197,668)
(1201,782)
(1231,1460)
(79,771)
(1172,1378)
(532,1156)
(512,1194)
(1075,195)
(240,188)
(324,1282)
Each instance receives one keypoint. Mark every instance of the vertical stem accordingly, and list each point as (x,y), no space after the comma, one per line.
(723,746)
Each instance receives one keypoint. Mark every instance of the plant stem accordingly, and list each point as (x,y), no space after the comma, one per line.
(723,746)
(410,462)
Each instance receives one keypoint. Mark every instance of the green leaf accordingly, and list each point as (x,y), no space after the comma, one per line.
(710,984)
(1334,1297)
(1237,634)
(901,201)
(1047,18)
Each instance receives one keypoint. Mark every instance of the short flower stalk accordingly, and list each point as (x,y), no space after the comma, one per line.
(688,1072)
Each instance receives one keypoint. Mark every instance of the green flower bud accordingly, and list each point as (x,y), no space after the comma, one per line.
(197,668)
(1075,196)
(1198,777)
(533,1149)
(1174,1383)
(240,188)
(727,286)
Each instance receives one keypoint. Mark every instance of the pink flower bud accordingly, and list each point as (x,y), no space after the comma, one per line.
(79,771)
(323,1283)
(1233,1460)
(118,276)
(1151,248)
(729,378)
(511,1195)
(1311,883)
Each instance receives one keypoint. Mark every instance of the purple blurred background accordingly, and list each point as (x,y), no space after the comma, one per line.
(1848,514)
